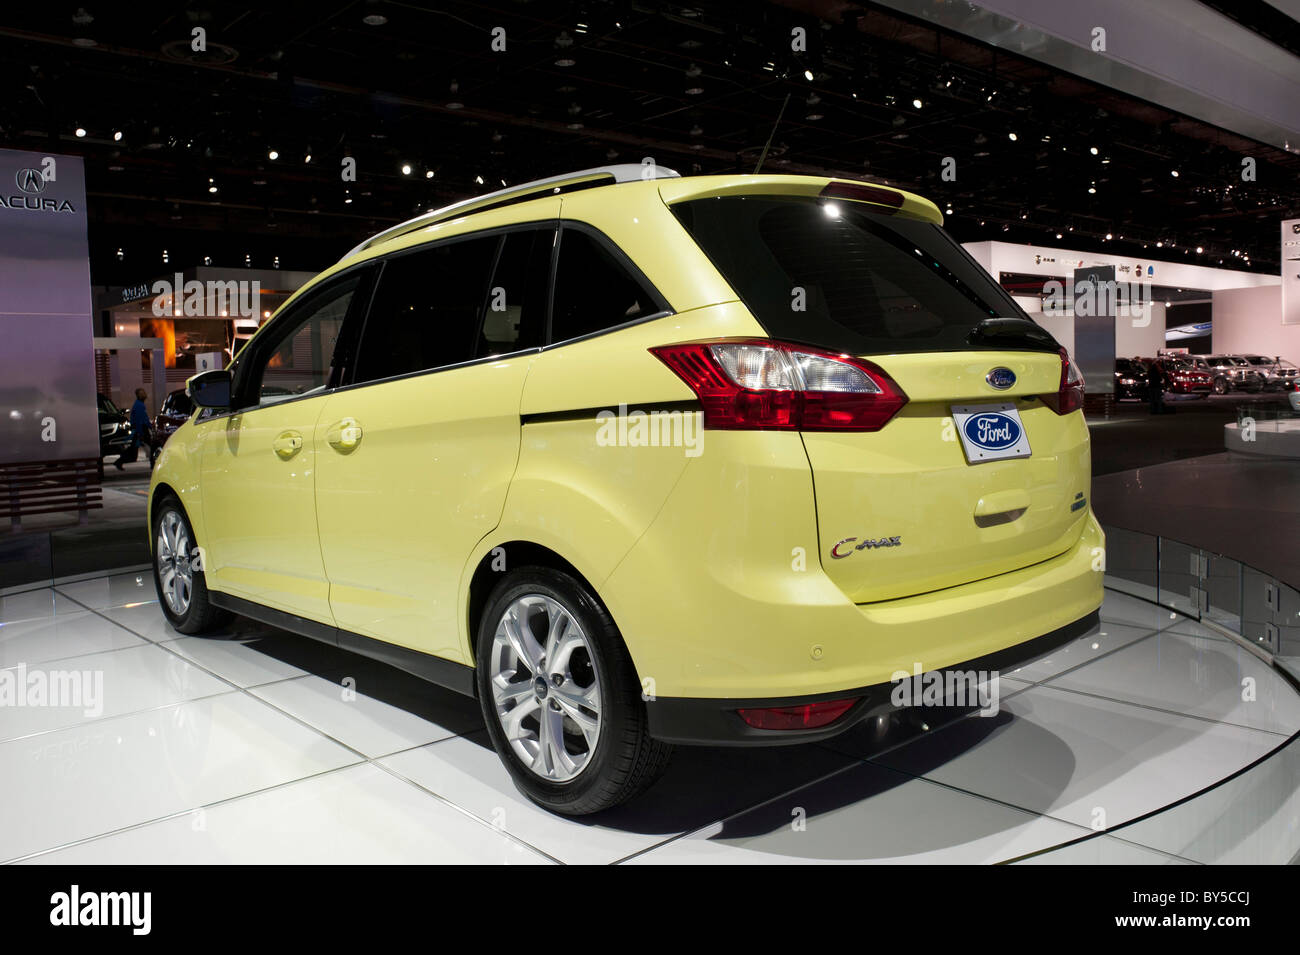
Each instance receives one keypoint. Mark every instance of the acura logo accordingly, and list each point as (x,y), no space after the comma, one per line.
(30,181)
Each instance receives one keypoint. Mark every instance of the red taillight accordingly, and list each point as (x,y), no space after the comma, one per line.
(759,384)
(1069,397)
(810,716)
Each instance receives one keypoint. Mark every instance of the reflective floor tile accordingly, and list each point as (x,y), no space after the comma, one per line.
(61,635)
(362,716)
(1103,850)
(1132,612)
(146,620)
(386,822)
(1198,676)
(1106,638)
(119,590)
(100,685)
(869,814)
(242,661)
(1253,819)
(35,605)
(701,785)
(94,779)
(1079,758)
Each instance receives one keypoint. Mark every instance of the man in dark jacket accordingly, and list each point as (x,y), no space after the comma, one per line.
(142,433)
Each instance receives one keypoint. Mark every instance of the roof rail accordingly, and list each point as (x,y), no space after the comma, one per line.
(584,178)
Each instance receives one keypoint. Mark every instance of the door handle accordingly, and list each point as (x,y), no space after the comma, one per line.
(287,444)
(344,436)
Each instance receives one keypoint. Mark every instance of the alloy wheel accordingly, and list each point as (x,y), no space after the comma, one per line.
(545,687)
(172,553)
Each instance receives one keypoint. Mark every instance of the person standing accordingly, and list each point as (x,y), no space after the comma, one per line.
(1156,386)
(142,433)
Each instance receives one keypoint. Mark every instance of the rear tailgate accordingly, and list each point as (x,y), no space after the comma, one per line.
(901,511)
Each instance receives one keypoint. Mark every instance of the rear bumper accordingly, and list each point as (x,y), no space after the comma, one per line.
(715,722)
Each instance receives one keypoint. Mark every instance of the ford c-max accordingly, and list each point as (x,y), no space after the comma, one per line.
(641,460)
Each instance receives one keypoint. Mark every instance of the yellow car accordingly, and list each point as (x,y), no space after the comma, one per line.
(639,460)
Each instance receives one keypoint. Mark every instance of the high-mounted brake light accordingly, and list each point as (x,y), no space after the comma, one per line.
(862,192)
(807,717)
(755,384)
(1069,397)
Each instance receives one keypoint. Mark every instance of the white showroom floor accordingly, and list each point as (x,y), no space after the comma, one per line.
(253,747)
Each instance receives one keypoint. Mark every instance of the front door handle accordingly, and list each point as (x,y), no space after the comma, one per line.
(344,436)
(287,444)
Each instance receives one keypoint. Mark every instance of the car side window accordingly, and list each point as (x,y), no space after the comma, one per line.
(299,357)
(593,289)
(514,317)
(425,312)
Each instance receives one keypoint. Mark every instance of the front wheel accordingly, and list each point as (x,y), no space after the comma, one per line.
(178,572)
(560,695)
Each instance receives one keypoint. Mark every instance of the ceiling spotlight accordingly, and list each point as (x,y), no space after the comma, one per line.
(273,155)
(479,180)
(1199,250)
(1091,190)
(117,135)
(808,75)
(406,169)
(1058,235)
(917,103)
(307,158)
(212,188)
(428,174)
(1107,236)
(81,133)
(1160,245)
(1011,136)
(564,61)
(1093,150)
(374,19)
(1174,173)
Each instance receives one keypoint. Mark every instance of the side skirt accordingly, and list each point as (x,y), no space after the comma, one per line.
(444,673)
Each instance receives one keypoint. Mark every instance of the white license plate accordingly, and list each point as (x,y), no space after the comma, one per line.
(991,432)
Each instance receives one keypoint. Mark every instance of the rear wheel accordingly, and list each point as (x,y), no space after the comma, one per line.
(178,572)
(1220,386)
(560,696)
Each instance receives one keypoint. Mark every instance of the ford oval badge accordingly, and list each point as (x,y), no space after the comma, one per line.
(1001,378)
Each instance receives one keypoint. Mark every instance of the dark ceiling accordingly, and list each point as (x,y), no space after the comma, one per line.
(579,84)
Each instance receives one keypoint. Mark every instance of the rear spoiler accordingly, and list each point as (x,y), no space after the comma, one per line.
(884,199)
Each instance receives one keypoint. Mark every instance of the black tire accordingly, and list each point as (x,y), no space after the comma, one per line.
(199,615)
(1221,386)
(626,760)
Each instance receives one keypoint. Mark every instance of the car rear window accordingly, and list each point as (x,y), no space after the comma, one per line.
(835,275)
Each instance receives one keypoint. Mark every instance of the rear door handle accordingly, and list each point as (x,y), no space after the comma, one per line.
(344,436)
(287,444)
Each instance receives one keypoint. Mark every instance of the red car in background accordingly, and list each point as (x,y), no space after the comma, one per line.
(1180,375)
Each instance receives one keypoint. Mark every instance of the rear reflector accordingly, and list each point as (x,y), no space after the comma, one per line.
(861,192)
(807,717)
(763,385)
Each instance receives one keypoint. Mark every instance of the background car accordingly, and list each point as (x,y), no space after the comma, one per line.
(1276,374)
(175,411)
(114,427)
(1183,375)
(1130,379)
(1233,373)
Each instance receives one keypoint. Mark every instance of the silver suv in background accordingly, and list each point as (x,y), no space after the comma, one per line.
(1233,373)
(1276,373)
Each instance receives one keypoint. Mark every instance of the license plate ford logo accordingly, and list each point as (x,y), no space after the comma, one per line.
(991,432)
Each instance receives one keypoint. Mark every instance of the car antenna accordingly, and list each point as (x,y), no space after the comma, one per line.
(767,145)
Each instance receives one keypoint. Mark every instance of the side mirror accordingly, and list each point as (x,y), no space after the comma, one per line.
(210,389)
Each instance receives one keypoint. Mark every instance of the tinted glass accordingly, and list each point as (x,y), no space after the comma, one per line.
(594,290)
(838,276)
(515,316)
(298,357)
(425,312)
